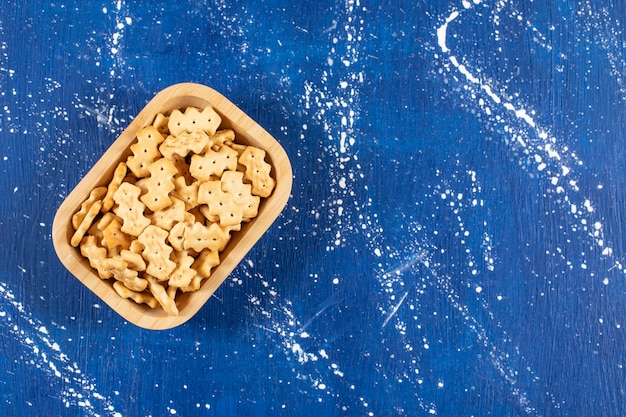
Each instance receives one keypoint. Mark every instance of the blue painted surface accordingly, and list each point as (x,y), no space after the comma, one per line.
(453,245)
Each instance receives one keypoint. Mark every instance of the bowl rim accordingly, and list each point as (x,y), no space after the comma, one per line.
(247,130)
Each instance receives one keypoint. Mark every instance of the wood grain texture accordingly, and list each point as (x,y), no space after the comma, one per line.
(247,131)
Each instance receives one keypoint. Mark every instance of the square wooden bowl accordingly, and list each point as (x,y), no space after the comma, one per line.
(247,131)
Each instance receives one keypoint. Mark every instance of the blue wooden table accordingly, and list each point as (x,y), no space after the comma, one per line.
(452,246)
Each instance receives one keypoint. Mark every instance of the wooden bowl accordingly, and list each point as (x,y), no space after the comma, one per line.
(247,131)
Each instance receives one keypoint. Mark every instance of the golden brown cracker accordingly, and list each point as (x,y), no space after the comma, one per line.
(160,294)
(138,297)
(257,171)
(167,217)
(118,177)
(199,237)
(134,260)
(184,143)
(213,163)
(118,268)
(182,275)
(205,262)
(113,236)
(159,184)
(220,138)
(194,120)
(96,194)
(232,182)
(156,252)
(160,124)
(188,193)
(86,222)
(90,249)
(176,237)
(145,151)
(130,209)
(220,203)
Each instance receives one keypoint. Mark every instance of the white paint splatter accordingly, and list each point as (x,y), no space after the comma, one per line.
(43,353)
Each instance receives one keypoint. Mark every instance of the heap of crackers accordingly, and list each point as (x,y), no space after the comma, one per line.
(159,226)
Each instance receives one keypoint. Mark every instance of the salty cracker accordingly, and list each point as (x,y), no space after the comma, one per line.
(145,151)
(96,194)
(213,163)
(257,171)
(167,217)
(138,297)
(194,120)
(220,138)
(171,291)
(113,236)
(156,252)
(220,203)
(199,237)
(194,284)
(160,123)
(93,252)
(176,237)
(105,220)
(134,260)
(182,275)
(232,182)
(85,224)
(205,262)
(184,143)
(94,231)
(130,209)
(159,184)
(210,218)
(181,164)
(118,177)
(160,294)
(187,193)
(136,247)
(118,268)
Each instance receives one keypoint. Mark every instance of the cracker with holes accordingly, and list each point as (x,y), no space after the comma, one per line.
(194,120)
(257,171)
(183,144)
(159,184)
(130,209)
(159,227)
(176,237)
(169,216)
(145,151)
(113,236)
(187,193)
(183,273)
(232,182)
(199,237)
(160,123)
(213,163)
(156,252)
(221,204)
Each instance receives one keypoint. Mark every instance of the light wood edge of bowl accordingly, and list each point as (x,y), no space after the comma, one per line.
(241,242)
